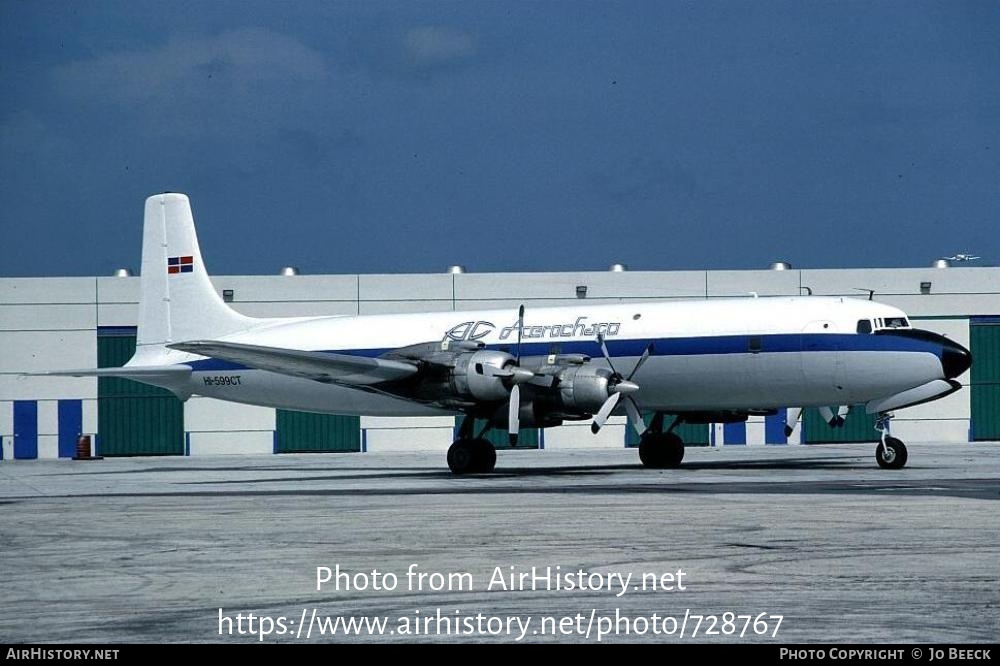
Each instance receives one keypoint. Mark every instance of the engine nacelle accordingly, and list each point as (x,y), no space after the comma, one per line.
(583,388)
(472,376)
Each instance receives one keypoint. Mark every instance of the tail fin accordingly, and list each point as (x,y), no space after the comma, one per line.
(177,300)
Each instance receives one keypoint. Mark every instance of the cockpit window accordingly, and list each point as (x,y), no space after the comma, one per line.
(864,326)
(896,322)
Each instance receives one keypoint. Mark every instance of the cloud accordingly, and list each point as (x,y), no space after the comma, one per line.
(430,46)
(235,58)
(239,83)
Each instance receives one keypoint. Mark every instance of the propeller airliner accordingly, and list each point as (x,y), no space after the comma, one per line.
(683,361)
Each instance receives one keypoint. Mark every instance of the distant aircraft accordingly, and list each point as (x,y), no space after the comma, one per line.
(963,257)
(696,361)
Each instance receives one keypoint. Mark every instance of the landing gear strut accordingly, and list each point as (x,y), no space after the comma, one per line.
(658,449)
(471,455)
(890,453)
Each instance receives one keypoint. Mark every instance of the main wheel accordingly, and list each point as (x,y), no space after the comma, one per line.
(462,456)
(486,455)
(891,455)
(661,450)
(472,456)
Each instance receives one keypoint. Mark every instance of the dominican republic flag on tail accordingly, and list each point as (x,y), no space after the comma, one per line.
(180,264)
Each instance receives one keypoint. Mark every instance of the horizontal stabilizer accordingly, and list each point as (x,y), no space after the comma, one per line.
(938,388)
(138,373)
(174,378)
(324,367)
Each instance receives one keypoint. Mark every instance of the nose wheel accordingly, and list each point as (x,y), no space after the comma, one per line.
(890,453)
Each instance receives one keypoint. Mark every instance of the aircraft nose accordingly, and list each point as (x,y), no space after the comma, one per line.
(955,359)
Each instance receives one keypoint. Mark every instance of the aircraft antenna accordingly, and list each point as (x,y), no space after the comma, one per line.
(871,292)
(520,332)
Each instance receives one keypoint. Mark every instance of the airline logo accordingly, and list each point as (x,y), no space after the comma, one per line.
(180,264)
(476,330)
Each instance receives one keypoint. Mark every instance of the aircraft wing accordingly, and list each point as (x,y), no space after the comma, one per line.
(323,367)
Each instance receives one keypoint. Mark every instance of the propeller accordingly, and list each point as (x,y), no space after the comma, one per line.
(619,386)
(513,373)
(834,420)
(513,412)
(601,417)
(634,416)
(519,375)
(792,420)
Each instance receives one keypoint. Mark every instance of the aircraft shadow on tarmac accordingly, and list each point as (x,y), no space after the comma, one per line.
(358,473)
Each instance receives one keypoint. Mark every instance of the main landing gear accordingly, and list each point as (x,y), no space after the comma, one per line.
(471,455)
(890,453)
(658,449)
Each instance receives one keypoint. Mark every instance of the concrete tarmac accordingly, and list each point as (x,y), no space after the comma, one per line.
(150,549)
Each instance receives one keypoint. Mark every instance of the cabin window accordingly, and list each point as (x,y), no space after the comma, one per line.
(896,322)
(754,344)
(864,326)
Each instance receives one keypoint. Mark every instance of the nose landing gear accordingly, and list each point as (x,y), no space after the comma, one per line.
(890,453)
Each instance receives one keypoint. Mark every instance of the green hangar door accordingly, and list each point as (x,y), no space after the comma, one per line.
(692,434)
(984,334)
(527,438)
(307,432)
(133,419)
(859,426)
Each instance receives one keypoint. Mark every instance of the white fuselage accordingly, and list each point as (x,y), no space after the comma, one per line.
(740,353)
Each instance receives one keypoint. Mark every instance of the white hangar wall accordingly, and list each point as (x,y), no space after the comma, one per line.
(52,323)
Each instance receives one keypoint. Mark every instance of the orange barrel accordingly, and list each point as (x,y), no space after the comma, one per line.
(82,448)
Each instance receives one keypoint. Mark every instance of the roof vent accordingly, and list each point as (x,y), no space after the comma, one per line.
(289,271)
(617,268)
(122,272)
(780,266)
(457,268)
(941,263)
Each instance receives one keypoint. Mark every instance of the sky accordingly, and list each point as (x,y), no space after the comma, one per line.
(403,137)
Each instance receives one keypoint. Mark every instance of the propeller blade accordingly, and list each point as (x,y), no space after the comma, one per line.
(645,355)
(520,332)
(834,420)
(792,420)
(634,415)
(604,350)
(602,415)
(513,412)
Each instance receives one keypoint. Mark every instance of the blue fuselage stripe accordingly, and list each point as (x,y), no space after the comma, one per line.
(692,346)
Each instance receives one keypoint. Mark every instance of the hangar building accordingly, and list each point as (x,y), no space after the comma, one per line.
(80,322)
